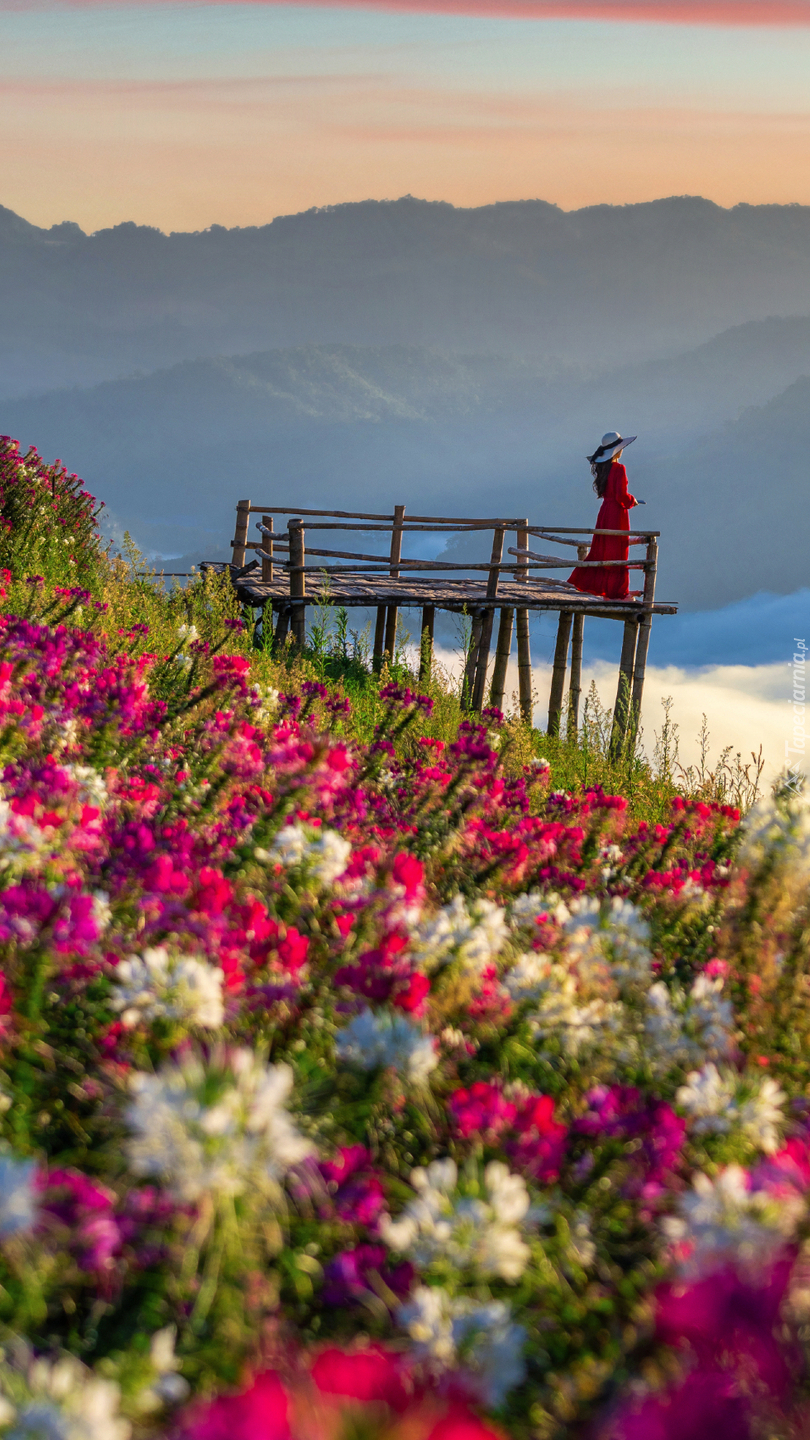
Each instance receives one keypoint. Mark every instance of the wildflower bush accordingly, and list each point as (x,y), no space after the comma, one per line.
(361,1084)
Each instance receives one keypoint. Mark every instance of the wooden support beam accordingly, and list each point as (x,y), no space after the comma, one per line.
(558,673)
(639,669)
(575,685)
(502,653)
(426,643)
(523,646)
(621,709)
(267,551)
(396,555)
(240,534)
(298,582)
(482,661)
(379,639)
(472,661)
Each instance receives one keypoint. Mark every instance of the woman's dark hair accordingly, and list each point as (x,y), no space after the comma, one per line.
(600,471)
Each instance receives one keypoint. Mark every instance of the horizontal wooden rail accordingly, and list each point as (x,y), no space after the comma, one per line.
(544,531)
(438,566)
(632,537)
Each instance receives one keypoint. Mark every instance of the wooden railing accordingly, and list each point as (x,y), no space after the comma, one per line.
(289,550)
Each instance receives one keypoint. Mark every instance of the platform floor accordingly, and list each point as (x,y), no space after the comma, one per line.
(444,594)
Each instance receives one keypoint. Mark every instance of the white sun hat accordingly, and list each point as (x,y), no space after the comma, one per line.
(611,443)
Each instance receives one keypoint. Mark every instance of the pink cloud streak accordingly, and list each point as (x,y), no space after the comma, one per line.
(670,12)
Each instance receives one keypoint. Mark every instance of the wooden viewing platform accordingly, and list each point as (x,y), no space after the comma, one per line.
(294,569)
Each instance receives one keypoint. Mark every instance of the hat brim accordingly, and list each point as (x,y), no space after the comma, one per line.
(611,451)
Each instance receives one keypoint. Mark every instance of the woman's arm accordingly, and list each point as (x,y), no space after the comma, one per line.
(621,494)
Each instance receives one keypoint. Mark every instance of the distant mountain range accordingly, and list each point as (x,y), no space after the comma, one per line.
(593,287)
(453,360)
(722,473)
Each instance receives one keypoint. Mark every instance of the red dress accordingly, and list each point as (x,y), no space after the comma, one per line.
(613,581)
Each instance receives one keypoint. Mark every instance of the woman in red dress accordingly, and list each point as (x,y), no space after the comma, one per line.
(610,484)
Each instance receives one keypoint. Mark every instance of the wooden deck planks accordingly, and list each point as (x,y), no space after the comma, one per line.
(455,595)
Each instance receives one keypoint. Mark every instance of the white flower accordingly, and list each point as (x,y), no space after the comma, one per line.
(92,787)
(712,1099)
(708,1097)
(779,829)
(102,912)
(266,701)
(724,1221)
(475,936)
(762,1117)
(188,632)
(328,855)
(56,1399)
(167,1388)
(18,1195)
(387,1040)
(615,934)
(325,855)
(481,1336)
(155,986)
(529,977)
(472,1233)
(687,1030)
(576,1025)
(219,1127)
(525,909)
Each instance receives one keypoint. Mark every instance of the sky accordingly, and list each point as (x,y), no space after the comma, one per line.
(184,115)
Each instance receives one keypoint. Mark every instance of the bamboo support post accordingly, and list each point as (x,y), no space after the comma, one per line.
(379,639)
(621,709)
(426,643)
(523,646)
(267,548)
(575,683)
(298,582)
(482,661)
(396,555)
(648,599)
(558,673)
(502,652)
(240,534)
(282,628)
(472,660)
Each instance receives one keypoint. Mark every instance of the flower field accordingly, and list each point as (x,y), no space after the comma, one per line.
(369,1087)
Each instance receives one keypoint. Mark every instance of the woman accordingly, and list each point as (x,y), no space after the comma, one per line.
(610,484)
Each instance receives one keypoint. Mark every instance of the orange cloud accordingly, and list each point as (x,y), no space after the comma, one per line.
(183,154)
(668,12)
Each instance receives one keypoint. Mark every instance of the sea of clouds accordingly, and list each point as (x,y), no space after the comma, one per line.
(734,665)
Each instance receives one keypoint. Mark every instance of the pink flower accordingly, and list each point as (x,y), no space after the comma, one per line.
(258,1413)
(368,1375)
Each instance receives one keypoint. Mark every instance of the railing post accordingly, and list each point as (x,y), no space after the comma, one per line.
(267,547)
(482,662)
(240,534)
(396,555)
(523,646)
(647,600)
(558,673)
(298,587)
(426,643)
